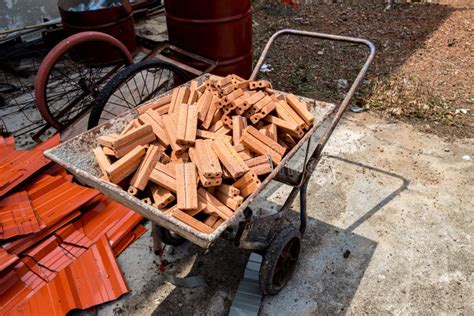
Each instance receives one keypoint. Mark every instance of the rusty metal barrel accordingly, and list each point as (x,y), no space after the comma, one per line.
(216,29)
(116,20)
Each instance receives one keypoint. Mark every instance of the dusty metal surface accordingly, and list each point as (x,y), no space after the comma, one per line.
(76,156)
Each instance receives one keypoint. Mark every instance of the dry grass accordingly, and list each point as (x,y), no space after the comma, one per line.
(422,73)
(408,97)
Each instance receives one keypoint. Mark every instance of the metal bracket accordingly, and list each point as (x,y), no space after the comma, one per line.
(288,176)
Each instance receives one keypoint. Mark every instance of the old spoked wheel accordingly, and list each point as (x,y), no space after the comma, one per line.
(73,73)
(280,260)
(133,86)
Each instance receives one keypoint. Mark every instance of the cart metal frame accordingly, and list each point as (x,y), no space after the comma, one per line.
(76,156)
(299,180)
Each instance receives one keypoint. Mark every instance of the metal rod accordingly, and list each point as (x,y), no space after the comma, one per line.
(303,213)
(156,239)
(30,27)
(310,165)
(342,107)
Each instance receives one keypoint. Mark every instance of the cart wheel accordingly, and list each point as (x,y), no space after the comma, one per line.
(73,72)
(170,238)
(280,260)
(133,86)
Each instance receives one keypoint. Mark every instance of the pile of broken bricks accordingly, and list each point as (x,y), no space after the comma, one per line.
(198,152)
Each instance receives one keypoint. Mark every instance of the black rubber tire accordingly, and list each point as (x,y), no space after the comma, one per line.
(120,78)
(169,238)
(270,282)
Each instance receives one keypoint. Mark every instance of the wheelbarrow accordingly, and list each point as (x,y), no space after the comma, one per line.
(281,246)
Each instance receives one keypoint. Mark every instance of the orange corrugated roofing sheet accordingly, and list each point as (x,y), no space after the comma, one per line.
(7,141)
(7,144)
(128,239)
(57,170)
(92,279)
(6,259)
(22,244)
(19,165)
(108,217)
(52,256)
(71,236)
(17,216)
(49,143)
(54,197)
(123,226)
(12,291)
(69,263)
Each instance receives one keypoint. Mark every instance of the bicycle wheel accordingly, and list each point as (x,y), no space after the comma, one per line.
(133,86)
(73,73)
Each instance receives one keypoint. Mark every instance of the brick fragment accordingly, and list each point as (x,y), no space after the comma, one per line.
(140,178)
(186,186)
(161,196)
(301,108)
(187,125)
(229,158)
(155,120)
(126,165)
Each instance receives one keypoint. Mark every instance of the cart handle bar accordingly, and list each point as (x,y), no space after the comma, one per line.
(343,106)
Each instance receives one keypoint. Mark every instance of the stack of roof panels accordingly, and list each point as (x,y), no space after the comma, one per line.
(58,239)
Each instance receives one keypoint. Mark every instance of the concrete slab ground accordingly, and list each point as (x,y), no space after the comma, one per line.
(397,202)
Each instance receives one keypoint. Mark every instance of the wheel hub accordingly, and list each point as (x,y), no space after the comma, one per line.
(286,263)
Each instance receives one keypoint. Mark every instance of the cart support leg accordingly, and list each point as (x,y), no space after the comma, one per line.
(156,237)
(303,213)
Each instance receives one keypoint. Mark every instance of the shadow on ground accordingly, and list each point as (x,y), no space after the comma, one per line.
(331,266)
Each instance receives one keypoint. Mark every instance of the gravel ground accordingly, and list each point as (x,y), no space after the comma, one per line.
(422,74)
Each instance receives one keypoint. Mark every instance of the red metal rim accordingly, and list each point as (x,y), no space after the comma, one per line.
(53,56)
